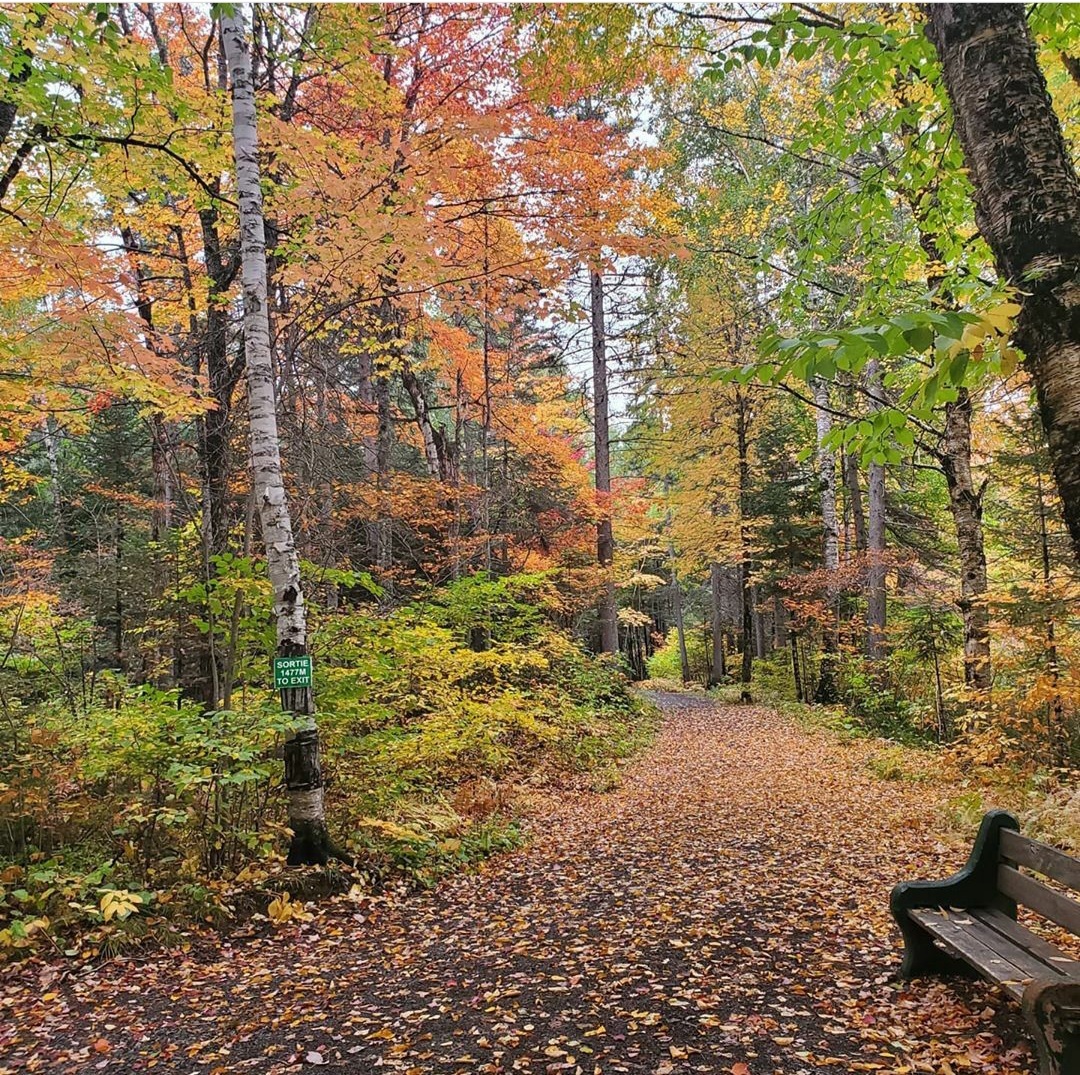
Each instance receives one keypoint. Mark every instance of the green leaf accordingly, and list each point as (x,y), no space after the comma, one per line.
(920,337)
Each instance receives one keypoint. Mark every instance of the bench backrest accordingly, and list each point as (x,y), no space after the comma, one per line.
(1016,851)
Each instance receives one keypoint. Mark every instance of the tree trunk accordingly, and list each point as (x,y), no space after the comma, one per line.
(215,462)
(742,435)
(1027,206)
(437,450)
(939,697)
(760,643)
(384,524)
(746,642)
(858,515)
(605,541)
(52,453)
(718,672)
(966,505)
(303,773)
(826,460)
(680,629)
(1057,732)
(875,536)
(796,674)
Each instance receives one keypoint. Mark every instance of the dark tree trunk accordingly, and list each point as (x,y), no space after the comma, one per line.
(384,442)
(826,459)
(1027,206)
(717,673)
(1057,730)
(605,541)
(747,640)
(680,627)
(796,673)
(438,451)
(854,491)
(875,536)
(742,434)
(954,455)
(214,455)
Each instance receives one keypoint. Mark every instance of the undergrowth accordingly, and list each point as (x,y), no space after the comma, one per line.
(128,812)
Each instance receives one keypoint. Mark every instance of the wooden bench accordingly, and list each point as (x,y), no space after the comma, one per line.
(969,923)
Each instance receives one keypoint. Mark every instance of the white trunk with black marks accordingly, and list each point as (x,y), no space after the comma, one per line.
(437,452)
(1027,205)
(605,540)
(303,774)
(423,422)
(52,452)
(966,505)
(826,460)
(875,535)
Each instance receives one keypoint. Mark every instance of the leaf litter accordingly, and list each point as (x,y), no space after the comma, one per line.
(724,911)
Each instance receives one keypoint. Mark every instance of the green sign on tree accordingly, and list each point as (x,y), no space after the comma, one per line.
(292,672)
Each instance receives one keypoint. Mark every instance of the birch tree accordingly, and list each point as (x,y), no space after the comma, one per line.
(303,773)
(1027,205)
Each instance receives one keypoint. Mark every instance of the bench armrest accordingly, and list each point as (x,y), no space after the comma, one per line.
(974,886)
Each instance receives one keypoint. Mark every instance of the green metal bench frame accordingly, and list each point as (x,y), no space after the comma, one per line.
(969,923)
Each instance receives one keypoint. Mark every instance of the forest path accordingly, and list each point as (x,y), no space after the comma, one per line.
(725,910)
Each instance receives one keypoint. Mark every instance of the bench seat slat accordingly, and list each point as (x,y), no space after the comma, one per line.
(1040,857)
(1039,947)
(1045,901)
(992,955)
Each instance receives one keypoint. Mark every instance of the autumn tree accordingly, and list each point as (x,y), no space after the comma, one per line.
(1027,201)
(303,773)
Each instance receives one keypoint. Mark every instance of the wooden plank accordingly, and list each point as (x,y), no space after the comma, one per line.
(1042,858)
(1045,901)
(1053,957)
(967,938)
(1034,956)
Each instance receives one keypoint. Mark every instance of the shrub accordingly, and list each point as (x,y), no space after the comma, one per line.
(665,663)
(125,805)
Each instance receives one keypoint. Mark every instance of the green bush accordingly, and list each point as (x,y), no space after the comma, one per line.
(879,707)
(665,663)
(125,805)
(773,679)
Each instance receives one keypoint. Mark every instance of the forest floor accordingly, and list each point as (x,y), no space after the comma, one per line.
(724,910)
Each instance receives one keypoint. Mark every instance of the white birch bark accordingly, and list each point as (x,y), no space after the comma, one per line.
(303,776)
(826,460)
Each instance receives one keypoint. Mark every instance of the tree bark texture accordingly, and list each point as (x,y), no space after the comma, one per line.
(605,541)
(742,435)
(875,537)
(830,534)
(855,500)
(1027,206)
(303,773)
(718,671)
(680,626)
(966,504)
